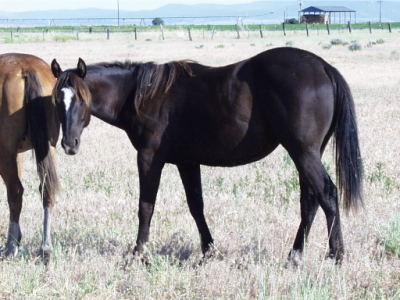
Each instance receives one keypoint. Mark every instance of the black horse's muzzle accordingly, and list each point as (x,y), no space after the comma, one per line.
(70,145)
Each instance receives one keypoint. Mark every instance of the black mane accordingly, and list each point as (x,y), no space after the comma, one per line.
(151,78)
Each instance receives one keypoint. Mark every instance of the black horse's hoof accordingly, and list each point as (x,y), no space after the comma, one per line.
(9,251)
(336,255)
(295,259)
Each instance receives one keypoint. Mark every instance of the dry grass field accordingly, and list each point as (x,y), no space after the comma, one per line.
(253,210)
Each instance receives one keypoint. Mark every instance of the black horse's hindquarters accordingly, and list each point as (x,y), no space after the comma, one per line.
(189,114)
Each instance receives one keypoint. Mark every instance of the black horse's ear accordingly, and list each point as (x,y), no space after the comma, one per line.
(81,68)
(55,68)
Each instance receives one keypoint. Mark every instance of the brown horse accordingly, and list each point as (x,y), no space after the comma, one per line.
(28,119)
(188,114)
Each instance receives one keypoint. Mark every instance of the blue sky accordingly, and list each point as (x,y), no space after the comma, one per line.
(28,5)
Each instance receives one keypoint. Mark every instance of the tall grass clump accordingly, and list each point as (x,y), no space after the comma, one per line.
(63,38)
(338,42)
(355,46)
(390,238)
(289,44)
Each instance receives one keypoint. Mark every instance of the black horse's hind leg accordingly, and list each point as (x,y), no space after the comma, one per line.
(191,179)
(10,169)
(317,185)
(308,208)
(149,180)
(331,209)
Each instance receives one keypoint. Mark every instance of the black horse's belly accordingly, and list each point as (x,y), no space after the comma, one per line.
(230,145)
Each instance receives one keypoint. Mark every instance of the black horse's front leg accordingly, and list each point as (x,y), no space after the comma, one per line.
(191,179)
(149,179)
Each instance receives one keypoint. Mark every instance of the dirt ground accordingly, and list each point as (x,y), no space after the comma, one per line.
(253,210)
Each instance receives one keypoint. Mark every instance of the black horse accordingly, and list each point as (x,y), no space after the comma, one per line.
(188,114)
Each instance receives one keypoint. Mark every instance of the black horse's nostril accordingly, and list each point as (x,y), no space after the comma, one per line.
(76,142)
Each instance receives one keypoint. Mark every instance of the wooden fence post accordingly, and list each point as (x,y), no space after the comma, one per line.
(135,30)
(327,28)
(108,34)
(390,28)
(162,31)
(349,26)
(237,31)
(283,28)
(307,29)
(261,32)
(369,26)
(189,34)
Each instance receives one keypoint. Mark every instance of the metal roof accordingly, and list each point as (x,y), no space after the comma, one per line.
(326,9)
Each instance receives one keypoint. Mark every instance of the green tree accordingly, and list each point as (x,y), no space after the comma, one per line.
(157,21)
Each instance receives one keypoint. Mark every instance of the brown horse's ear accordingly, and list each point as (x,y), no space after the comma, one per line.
(81,68)
(55,68)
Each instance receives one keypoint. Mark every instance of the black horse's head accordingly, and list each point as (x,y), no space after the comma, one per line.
(73,100)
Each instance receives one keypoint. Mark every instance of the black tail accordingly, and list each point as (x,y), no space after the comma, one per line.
(349,169)
(38,134)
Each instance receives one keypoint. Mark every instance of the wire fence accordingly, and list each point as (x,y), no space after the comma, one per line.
(188,32)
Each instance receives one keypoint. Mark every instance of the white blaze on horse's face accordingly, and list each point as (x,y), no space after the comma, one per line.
(68,95)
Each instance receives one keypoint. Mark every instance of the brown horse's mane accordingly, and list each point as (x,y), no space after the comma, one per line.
(152,79)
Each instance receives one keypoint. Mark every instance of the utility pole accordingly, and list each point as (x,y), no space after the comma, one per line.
(118,11)
(380,10)
(300,5)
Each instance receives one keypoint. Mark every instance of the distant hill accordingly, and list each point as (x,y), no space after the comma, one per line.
(256,12)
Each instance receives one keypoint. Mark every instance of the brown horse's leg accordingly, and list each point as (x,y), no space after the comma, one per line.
(308,208)
(10,168)
(149,180)
(318,185)
(48,204)
(191,179)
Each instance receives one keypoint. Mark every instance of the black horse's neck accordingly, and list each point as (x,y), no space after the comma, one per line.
(110,88)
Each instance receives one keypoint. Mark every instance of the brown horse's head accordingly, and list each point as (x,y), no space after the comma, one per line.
(73,100)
